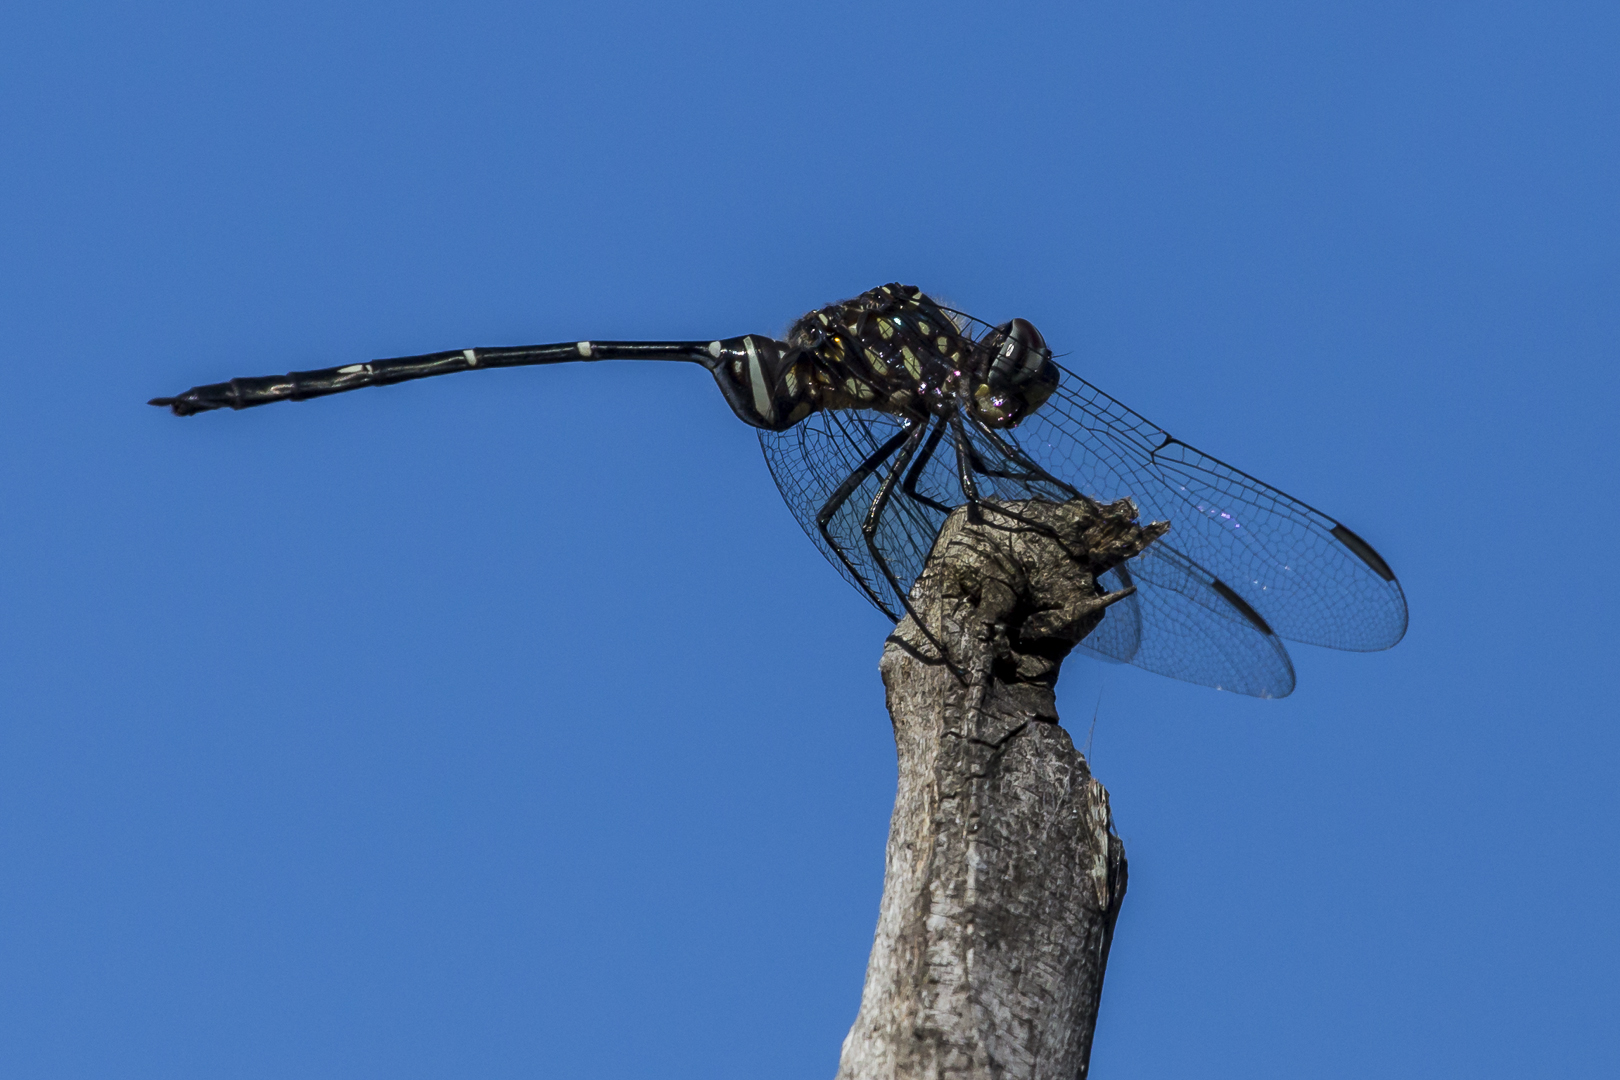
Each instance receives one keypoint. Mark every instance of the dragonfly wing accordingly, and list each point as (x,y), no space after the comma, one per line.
(1309,577)
(811,459)
(1118,638)
(1179,624)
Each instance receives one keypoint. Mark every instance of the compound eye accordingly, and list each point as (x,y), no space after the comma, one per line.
(1024,332)
(1020,352)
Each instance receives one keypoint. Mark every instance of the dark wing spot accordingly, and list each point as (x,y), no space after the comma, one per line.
(1364,552)
(1241,604)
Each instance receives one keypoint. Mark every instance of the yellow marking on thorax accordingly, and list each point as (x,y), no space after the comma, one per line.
(859,389)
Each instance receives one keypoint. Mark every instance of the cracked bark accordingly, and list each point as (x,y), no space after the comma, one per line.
(1003,874)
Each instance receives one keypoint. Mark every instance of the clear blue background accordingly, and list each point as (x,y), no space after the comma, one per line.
(507,726)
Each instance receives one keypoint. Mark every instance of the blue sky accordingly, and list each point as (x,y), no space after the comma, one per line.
(506,725)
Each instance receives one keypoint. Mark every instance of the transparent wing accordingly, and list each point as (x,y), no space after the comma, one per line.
(1177,624)
(811,459)
(1309,577)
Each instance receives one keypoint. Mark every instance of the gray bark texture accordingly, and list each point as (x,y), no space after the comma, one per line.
(1003,874)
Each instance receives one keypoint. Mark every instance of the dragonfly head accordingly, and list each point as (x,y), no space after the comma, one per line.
(1020,376)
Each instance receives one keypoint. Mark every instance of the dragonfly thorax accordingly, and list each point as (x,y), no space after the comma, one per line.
(894,349)
(891,349)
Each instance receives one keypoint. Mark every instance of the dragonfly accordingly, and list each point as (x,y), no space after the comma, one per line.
(882,415)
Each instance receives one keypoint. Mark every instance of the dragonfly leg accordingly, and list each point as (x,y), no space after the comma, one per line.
(970,461)
(869,529)
(1015,453)
(964,467)
(915,473)
(984,468)
(839,497)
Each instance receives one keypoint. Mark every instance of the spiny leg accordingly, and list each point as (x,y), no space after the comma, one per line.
(964,468)
(975,460)
(966,448)
(869,530)
(915,472)
(984,468)
(976,464)
(970,461)
(840,496)
(1015,453)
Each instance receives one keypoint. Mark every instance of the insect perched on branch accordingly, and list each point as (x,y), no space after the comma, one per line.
(882,414)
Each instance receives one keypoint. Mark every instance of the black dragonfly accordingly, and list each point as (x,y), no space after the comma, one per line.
(882,414)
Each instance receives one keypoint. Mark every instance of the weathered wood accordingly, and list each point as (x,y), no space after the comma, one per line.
(1003,875)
